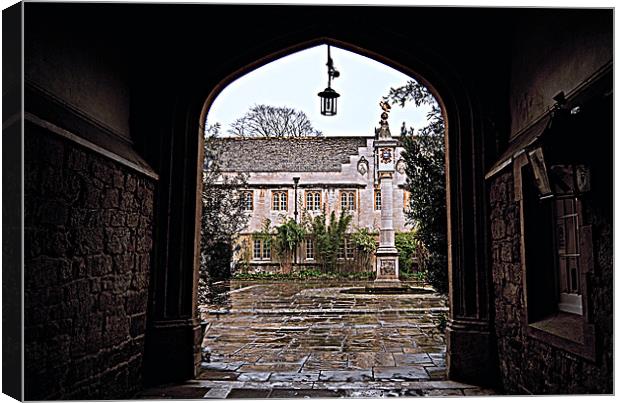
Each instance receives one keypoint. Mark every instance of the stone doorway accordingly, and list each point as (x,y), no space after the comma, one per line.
(468,328)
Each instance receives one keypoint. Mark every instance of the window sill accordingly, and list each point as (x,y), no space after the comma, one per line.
(567,332)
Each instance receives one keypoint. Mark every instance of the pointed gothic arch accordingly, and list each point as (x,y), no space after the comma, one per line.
(174,326)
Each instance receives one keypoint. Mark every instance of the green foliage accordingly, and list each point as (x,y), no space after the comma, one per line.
(223,216)
(365,245)
(288,236)
(305,275)
(309,273)
(424,154)
(443,322)
(328,236)
(266,232)
(413,255)
(407,245)
(364,240)
(419,276)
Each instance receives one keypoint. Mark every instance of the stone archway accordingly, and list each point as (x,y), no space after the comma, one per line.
(173,334)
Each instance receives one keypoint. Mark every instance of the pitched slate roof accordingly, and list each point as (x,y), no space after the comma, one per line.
(307,154)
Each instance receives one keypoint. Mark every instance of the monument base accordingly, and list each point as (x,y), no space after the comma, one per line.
(387,265)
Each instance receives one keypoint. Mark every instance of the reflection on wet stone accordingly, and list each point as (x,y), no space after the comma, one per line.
(312,339)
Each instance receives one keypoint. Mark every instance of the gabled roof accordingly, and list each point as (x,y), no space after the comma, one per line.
(300,154)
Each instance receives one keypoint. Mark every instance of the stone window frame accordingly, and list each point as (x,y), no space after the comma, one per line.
(313,204)
(263,246)
(571,298)
(406,199)
(246,199)
(309,249)
(569,332)
(349,249)
(377,199)
(350,201)
(279,200)
(256,249)
(346,249)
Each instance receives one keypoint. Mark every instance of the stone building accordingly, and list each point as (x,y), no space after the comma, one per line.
(335,174)
(113,104)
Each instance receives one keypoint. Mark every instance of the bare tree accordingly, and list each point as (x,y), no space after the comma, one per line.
(273,121)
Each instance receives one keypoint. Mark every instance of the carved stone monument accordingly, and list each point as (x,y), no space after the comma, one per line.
(386,254)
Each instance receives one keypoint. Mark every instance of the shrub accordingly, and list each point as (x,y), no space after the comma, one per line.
(328,237)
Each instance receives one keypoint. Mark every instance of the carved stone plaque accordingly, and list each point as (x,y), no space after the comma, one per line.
(387,268)
(362,166)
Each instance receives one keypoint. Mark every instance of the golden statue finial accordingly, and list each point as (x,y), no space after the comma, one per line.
(385,106)
(384,131)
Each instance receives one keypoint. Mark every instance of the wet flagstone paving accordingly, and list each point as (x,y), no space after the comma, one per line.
(309,339)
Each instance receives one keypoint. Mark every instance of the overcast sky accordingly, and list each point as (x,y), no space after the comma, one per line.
(295,81)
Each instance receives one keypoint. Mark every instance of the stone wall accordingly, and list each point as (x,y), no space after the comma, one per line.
(345,177)
(88,231)
(78,62)
(555,50)
(528,365)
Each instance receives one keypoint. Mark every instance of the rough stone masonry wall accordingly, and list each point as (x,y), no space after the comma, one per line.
(528,365)
(88,225)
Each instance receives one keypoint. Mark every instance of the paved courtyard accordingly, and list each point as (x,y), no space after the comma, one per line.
(317,339)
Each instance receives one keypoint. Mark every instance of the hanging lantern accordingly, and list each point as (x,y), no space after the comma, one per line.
(329,97)
(329,102)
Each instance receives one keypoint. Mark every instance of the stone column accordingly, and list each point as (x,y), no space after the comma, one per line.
(386,254)
(471,347)
(173,337)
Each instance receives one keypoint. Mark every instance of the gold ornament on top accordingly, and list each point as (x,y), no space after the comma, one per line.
(384,131)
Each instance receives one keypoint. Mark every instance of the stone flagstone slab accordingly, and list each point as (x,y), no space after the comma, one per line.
(270,368)
(345,376)
(401,373)
(294,377)
(218,393)
(443,392)
(408,359)
(222,366)
(254,376)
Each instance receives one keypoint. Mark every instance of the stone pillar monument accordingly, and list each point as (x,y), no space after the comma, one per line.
(386,254)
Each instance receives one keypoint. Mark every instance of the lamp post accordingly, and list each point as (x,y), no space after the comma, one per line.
(296,182)
(329,97)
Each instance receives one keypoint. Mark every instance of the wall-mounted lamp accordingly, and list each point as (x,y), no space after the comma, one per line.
(539,168)
(557,164)
(329,97)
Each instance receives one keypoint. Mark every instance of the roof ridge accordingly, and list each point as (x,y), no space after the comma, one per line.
(236,138)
